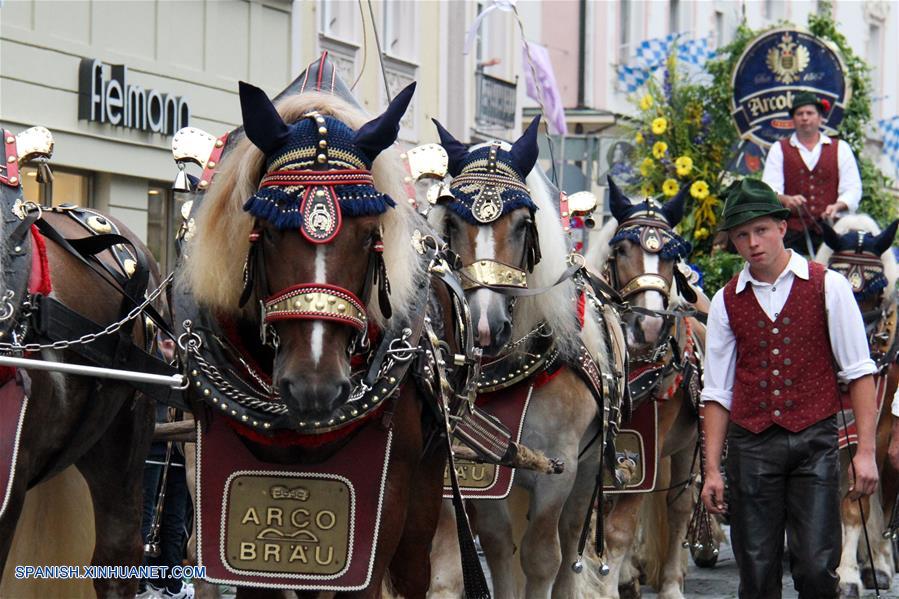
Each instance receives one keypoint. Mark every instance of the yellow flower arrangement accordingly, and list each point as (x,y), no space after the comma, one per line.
(638,138)
(647,189)
(699,190)
(670,187)
(658,149)
(646,102)
(684,165)
(700,234)
(659,125)
(646,166)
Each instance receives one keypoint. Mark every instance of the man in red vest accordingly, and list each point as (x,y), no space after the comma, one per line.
(814,175)
(780,335)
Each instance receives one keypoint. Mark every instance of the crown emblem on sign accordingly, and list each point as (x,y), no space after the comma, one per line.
(787,59)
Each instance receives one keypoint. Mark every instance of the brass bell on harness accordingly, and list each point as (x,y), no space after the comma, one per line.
(182,182)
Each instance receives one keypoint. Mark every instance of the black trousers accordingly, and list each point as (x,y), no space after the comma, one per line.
(780,481)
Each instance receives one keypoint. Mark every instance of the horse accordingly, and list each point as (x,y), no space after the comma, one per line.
(639,252)
(99,426)
(501,221)
(857,248)
(323,300)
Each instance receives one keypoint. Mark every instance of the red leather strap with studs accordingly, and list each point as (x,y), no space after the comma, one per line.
(316,301)
(213,162)
(9,172)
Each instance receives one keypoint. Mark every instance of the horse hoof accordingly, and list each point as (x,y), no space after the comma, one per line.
(630,590)
(849,591)
(870,576)
(556,466)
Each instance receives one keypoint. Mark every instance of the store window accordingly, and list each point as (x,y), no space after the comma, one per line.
(67,187)
(400,17)
(163,220)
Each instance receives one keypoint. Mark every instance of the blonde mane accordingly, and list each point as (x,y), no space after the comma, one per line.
(213,269)
(863,222)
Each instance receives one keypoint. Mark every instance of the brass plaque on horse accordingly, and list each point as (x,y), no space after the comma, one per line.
(288,525)
(471,475)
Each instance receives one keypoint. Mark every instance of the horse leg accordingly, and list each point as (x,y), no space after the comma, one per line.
(620,527)
(113,469)
(568,583)
(680,508)
(410,569)
(446,573)
(881,571)
(850,580)
(494,522)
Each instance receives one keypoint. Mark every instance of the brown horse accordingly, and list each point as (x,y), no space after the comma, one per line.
(371,285)
(858,249)
(638,252)
(503,224)
(99,426)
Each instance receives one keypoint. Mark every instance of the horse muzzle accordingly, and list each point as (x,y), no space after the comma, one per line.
(313,401)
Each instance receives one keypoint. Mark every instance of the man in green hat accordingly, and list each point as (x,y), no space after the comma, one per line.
(814,175)
(781,334)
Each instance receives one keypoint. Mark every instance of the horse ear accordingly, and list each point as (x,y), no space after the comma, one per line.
(379,134)
(883,241)
(619,204)
(455,149)
(525,151)
(673,209)
(261,121)
(831,237)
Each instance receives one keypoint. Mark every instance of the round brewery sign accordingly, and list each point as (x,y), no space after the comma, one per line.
(772,70)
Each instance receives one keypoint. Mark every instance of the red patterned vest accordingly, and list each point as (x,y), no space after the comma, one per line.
(819,186)
(784,371)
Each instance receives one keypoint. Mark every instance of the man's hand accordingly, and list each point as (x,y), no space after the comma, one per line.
(713,492)
(792,202)
(832,209)
(865,469)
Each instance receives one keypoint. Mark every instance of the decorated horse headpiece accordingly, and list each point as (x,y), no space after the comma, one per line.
(489,182)
(649,223)
(318,169)
(857,256)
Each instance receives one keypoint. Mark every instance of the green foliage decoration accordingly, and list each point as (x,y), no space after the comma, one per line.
(684,135)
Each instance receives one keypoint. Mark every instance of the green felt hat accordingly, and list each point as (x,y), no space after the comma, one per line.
(805,99)
(748,199)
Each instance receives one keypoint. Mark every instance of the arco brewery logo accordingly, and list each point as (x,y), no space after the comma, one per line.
(773,68)
(298,526)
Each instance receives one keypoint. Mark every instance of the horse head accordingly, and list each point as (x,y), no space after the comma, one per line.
(857,248)
(490,223)
(315,263)
(642,263)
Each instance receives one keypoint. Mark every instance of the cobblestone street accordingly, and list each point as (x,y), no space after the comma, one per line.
(721,582)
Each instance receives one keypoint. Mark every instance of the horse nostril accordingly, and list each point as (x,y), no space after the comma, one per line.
(313,399)
(505,333)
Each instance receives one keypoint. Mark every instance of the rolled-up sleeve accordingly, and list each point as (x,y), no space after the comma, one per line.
(720,355)
(847,329)
(850,189)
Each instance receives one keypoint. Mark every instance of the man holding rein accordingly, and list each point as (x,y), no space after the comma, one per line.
(780,335)
(814,176)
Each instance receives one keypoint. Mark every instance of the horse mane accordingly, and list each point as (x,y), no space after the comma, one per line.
(862,222)
(213,270)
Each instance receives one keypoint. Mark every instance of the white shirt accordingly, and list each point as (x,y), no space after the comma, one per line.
(850,186)
(844,323)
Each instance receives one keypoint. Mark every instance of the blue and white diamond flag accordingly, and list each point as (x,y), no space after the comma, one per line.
(890,129)
(632,78)
(651,53)
(695,52)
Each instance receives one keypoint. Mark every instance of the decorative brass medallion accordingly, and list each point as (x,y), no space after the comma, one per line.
(471,475)
(488,206)
(288,525)
(629,458)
